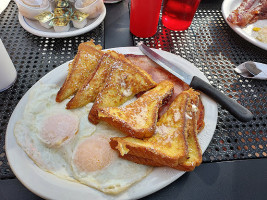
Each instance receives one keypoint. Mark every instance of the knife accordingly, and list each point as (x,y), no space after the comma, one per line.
(237,110)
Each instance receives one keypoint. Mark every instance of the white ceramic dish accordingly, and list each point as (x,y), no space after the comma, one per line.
(49,186)
(35,27)
(247,33)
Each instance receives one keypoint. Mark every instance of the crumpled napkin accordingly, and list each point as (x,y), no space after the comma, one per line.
(242,70)
(3,5)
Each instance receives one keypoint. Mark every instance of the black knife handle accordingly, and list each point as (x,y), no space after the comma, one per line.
(237,110)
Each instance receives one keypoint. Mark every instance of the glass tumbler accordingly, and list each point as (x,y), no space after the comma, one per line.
(177,15)
(8,73)
(144,17)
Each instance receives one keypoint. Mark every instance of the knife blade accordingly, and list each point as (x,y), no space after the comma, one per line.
(237,110)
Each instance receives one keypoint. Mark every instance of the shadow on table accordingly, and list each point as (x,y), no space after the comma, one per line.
(189,184)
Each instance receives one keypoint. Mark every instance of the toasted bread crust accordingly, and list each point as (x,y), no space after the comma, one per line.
(142,151)
(139,118)
(125,80)
(83,65)
(128,129)
(153,163)
(194,157)
(200,117)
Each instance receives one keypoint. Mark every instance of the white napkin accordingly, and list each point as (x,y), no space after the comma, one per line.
(3,5)
(242,70)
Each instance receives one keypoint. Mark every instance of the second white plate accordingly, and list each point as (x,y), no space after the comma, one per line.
(247,33)
(49,186)
(35,28)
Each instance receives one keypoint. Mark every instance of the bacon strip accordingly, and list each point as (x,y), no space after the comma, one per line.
(245,5)
(263,13)
(248,12)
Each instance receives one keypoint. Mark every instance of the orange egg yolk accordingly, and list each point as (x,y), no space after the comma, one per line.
(93,154)
(59,128)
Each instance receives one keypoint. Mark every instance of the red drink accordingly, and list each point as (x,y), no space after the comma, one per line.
(178,14)
(144,17)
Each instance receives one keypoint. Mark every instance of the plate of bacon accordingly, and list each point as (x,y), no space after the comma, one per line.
(248,18)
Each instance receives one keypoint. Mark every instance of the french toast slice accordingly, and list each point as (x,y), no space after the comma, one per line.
(82,66)
(158,74)
(95,83)
(194,157)
(138,119)
(168,146)
(124,81)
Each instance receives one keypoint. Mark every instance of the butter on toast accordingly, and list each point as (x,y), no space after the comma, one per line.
(168,146)
(194,157)
(124,81)
(82,66)
(138,119)
(94,84)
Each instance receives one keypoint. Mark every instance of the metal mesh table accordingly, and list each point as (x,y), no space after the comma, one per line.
(216,49)
(209,43)
(33,57)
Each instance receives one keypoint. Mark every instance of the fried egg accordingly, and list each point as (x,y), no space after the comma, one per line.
(64,143)
(48,132)
(95,164)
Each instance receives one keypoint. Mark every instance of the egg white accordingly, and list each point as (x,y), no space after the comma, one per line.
(118,175)
(41,104)
(114,178)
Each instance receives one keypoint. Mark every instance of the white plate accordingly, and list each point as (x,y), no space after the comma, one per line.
(35,27)
(247,33)
(49,186)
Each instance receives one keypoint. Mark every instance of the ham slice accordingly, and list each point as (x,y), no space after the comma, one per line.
(158,73)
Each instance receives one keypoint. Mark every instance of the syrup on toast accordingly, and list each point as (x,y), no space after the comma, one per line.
(124,81)
(194,157)
(168,146)
(139,118)
(82,66)
(95,83)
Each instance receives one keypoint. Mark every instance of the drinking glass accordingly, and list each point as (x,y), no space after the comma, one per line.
(8,73)
(177,15)
(144,17)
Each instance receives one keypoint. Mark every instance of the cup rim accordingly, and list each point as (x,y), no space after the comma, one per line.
(34,8)
(86,6)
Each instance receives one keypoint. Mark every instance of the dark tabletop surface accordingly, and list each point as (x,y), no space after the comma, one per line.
(234,164)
